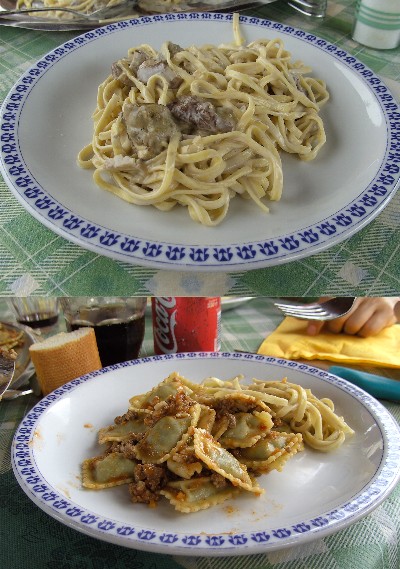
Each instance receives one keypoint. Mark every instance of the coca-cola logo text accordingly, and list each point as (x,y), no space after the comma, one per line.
(164,324)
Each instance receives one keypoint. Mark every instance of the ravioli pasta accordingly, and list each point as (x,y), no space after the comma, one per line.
(197,126)
(198,445)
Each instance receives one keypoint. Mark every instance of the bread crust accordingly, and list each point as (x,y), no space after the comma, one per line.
(64,357)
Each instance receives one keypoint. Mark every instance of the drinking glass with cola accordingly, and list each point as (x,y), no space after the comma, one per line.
(118,322)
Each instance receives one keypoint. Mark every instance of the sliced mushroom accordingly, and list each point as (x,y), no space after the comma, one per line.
(174,48)
(118,72)
(149,128)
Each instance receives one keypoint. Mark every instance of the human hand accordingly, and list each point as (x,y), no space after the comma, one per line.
(397,310)
(368,316)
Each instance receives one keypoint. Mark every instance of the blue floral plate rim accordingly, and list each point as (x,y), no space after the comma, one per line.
(266,536)
(193,255)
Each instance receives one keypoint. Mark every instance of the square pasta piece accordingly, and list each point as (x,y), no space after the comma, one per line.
(271,452)
(106,471)
(197,494)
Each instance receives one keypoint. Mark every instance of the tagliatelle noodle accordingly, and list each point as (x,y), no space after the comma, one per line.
(314,418)
(84,6)
(272,106)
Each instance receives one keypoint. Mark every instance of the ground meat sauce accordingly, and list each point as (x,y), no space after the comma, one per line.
(177,405)
(218,480)
(149,480)
(128,416)
(231,420)
(127,447)
(229,406)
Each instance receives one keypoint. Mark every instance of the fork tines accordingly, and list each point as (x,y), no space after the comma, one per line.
(295,309)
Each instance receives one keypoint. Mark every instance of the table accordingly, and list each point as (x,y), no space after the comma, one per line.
(32,539)
(365,264)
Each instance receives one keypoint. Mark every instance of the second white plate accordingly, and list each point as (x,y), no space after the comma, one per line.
(46,120)
(315,495)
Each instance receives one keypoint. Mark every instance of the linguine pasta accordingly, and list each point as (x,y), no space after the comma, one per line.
(84,6)
(197,126)
(89,6)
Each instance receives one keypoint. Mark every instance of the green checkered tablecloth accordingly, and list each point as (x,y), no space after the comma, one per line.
(31,539)
(34,260)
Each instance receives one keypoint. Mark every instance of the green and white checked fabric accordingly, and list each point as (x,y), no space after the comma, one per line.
(34,260)
(31,539)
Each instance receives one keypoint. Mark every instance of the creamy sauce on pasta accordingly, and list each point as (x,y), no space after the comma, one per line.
(198,126)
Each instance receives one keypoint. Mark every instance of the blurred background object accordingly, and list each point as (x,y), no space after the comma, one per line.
(118,323)
(7,368)
(36,311)
(377,23)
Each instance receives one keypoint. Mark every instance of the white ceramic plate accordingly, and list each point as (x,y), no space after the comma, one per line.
(46,120)
(316,494)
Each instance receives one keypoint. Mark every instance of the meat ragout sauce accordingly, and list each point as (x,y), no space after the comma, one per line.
(151,478)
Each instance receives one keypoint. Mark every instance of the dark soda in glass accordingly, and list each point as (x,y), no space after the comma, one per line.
(117,341)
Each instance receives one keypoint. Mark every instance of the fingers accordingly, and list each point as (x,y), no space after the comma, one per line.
(314,327)
(368,317)
(336,326)
(397,310)
(353,321)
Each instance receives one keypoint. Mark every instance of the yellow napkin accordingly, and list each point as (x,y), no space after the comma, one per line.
(290,341)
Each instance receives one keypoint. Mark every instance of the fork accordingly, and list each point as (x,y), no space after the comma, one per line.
(327,310)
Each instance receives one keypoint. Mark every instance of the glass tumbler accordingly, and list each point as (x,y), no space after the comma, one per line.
(36,311)
(118,322)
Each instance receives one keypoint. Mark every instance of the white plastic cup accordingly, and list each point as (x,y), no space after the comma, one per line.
(377,23)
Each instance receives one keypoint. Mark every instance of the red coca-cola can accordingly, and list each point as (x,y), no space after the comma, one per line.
(186,324)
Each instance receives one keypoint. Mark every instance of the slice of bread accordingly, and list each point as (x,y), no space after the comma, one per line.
(63,357)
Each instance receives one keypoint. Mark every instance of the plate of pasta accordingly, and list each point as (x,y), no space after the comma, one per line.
(278,452)
(180,153)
